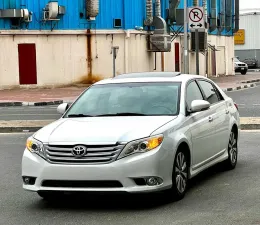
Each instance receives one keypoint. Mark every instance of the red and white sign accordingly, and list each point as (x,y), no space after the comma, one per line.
(196,18)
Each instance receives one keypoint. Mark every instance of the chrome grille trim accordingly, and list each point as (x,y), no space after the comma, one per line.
(94,155)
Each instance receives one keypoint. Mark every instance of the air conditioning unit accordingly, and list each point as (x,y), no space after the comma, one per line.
(27,16)
(52,10)
(24,14)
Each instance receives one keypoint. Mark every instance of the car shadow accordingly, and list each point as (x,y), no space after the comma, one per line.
(127,202)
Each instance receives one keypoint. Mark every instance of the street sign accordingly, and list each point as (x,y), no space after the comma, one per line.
(196,18)
(239,37)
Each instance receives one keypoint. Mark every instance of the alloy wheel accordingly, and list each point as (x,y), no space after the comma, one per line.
(232,146)
(181,173)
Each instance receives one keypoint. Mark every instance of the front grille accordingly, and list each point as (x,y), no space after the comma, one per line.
(62,154)
(81,184)
(241,64)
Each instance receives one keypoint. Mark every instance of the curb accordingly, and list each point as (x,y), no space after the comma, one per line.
(253,70)
(19,129)
(250,126)
(250,81)
(245,86)
(9,104)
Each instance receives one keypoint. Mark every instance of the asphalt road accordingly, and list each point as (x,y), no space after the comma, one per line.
(215,197)
(248,101)
(29,113)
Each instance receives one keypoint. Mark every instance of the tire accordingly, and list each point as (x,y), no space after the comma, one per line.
(243,72)
(231,162)
(179,177)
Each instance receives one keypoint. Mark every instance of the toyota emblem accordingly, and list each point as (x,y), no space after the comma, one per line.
(79,151)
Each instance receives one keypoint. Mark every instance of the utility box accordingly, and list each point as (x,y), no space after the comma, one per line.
(202,41)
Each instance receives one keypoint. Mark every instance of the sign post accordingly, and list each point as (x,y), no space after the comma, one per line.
(185,55)
(196,24)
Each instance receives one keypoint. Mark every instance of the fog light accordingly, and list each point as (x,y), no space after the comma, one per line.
(29,180)
(152,181)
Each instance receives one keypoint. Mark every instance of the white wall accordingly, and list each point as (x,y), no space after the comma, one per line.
(224,55)
(62,58)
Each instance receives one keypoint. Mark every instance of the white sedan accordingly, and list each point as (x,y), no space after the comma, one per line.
(140,132)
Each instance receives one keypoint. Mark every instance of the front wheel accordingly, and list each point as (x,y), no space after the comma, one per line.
(231,162)
(179,177)
(244,72)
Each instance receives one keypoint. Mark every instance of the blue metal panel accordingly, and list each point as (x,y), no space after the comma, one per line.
(110,10)
(132,13)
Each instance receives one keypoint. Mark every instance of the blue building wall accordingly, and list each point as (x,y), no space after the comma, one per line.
(132,13)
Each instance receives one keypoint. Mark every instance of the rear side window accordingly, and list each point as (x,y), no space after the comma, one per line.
(211,94)
(193,93)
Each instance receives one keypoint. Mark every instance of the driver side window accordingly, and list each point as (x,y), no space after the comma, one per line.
(193,93)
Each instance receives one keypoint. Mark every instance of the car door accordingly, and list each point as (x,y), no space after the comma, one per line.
(221,115)
(201,127)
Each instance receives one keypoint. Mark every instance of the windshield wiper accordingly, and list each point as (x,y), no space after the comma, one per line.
(79,115)
(123,114)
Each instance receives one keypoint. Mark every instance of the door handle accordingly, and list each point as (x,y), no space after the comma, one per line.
(210,119)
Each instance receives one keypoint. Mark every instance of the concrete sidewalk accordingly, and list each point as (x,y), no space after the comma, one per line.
(54,96)
(13,126)
(39,96)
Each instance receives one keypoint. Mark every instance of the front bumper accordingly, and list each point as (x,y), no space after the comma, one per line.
(241,69)
(157,163)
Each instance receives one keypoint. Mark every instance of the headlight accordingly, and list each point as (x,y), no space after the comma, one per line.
(141,146)
(35,146)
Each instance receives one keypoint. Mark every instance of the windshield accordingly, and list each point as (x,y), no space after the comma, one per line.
(236,60)
(140,99)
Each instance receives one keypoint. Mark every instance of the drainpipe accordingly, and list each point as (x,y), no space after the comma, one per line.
(149,13)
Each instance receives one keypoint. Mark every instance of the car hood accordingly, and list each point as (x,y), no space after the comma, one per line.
(236,63)
(100,130)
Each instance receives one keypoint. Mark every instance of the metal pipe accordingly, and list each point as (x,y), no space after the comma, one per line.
(155,61)
(114,62)
(236,28)
(197,52)
(185,55)
(158,8)
(195,2)
(204,4)
(149,12)
(162,61)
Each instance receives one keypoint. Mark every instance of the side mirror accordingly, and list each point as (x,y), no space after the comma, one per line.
(199,105)
(61,109)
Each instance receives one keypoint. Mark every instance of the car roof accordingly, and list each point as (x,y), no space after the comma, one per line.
(150,77)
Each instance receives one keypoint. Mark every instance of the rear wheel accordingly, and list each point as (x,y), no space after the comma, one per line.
(231,162)
(179,177)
